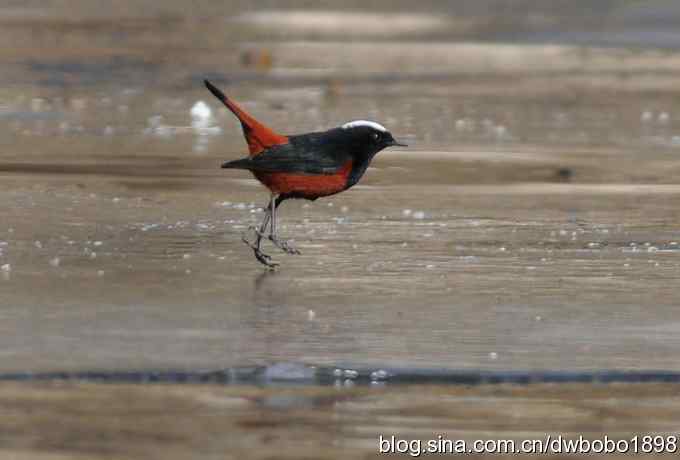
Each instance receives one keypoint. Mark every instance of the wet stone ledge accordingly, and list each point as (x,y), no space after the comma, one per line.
(301,374)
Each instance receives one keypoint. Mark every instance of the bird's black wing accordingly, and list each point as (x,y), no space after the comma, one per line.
(306,154)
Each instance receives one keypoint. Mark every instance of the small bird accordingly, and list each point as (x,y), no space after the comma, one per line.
(306,166)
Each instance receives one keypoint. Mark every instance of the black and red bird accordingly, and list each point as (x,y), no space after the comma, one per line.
(308,166)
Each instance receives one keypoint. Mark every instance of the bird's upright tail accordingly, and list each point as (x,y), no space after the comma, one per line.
(258,136)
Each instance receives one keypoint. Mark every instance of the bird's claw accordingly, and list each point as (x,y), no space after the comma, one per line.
(284,245)
(264,259)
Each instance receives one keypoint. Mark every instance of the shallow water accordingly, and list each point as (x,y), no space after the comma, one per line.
(516,232)
(531,225)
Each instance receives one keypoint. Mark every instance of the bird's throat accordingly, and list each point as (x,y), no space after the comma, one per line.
(359,167)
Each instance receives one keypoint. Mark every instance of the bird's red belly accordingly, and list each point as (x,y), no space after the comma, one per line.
(307,185)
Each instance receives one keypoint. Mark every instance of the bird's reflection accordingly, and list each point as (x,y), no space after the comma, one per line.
(262,278)
(265,313)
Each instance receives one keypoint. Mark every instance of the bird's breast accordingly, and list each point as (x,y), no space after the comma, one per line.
(306,185)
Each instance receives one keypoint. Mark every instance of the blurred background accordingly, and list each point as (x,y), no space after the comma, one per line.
(531,225)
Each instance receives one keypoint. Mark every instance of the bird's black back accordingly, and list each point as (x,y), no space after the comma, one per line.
(325,152)
(312,153)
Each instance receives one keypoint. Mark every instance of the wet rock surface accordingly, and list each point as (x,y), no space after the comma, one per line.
(528,234)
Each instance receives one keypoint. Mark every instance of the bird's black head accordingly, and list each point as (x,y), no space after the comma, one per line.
(369,137)
(362,140)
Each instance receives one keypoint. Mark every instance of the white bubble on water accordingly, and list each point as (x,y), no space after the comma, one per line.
(419,215)
(461,125)
(379,375)
(350,374)
(78,104)
(55,262)
(38,104)
(6,268)
(201,115)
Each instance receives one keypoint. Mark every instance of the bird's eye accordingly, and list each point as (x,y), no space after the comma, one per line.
(376,136)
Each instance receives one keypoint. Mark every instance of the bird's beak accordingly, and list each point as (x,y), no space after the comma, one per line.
(397,143)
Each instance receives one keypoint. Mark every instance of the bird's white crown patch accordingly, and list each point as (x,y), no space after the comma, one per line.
(370,124)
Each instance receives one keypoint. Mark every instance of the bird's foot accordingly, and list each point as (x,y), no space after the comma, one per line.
(265,259)
(261,257)
(283,245)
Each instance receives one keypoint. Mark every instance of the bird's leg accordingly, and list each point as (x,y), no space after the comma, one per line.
(259,234)
(258,230)
(285,246)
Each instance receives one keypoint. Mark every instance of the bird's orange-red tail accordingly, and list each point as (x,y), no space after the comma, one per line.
(258,136)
